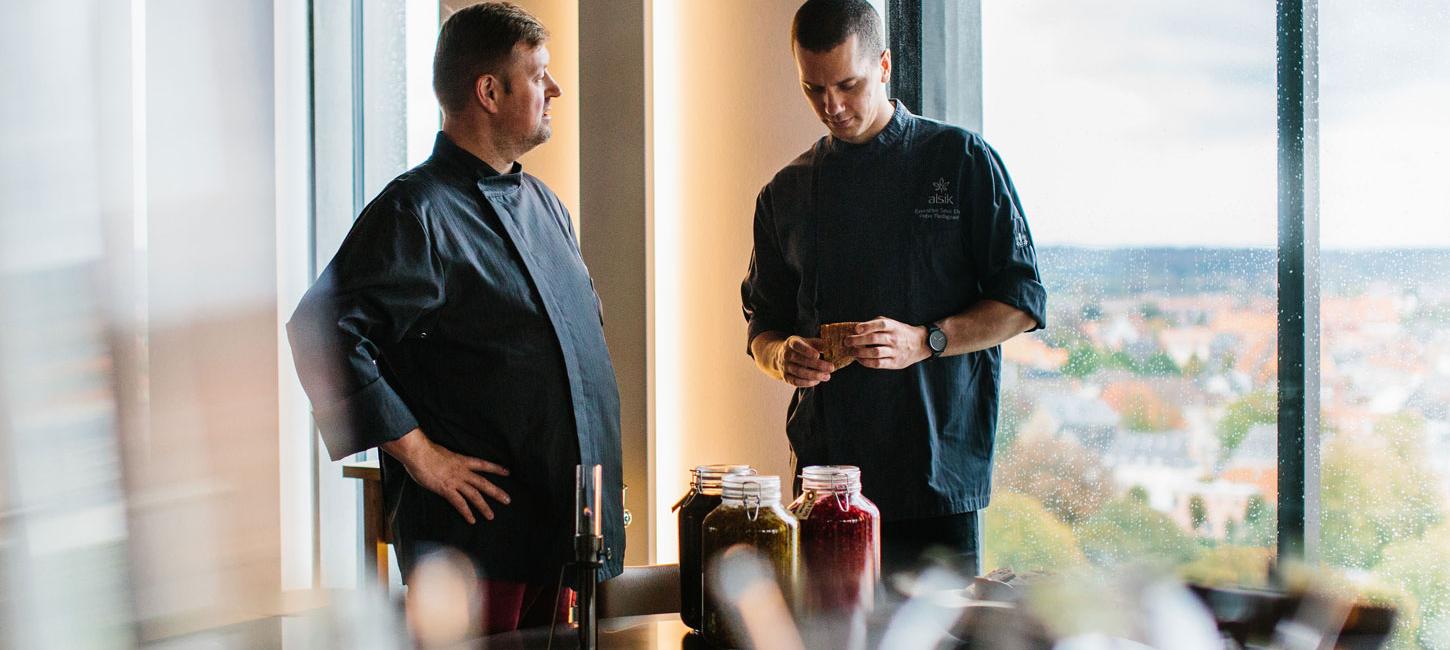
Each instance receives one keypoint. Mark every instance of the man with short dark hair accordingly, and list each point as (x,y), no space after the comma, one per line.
(458,330)
(912,229)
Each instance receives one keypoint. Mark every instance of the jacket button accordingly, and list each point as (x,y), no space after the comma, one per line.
(423,335)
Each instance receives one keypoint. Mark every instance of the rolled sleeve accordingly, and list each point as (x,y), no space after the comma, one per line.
(367,419)
(767,294)
(1000,242)
(1018,290)
(384,278)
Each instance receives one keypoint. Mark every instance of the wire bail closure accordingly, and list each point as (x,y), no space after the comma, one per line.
(840,484)
(752,501)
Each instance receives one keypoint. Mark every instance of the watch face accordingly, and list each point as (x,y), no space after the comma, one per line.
(937,340)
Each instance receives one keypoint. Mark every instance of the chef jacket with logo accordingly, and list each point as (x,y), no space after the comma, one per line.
(916,224)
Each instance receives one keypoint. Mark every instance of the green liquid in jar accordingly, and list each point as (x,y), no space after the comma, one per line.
(772,532)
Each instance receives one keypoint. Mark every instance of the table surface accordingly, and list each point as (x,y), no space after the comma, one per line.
(654,632)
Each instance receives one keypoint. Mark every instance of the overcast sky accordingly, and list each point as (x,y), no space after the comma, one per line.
(1151,122)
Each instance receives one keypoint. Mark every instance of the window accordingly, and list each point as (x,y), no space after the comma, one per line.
(1146,422)
(1141,424)
(1385,304)
(374,116)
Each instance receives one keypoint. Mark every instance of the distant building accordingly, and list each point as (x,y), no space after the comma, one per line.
(1255,461)
(1086,419)
(1158,462)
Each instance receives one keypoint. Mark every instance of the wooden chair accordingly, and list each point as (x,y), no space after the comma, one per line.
(374,528)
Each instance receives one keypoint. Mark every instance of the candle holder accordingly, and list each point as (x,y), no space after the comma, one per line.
(589,552)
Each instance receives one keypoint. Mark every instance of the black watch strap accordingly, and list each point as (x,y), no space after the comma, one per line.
(936,340)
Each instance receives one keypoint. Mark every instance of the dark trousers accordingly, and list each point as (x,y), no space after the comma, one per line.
(911,544)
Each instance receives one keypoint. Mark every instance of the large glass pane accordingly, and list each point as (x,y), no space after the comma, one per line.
(1139,426)
(1385,312)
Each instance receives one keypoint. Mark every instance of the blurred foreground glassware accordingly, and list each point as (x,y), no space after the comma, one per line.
(752,608)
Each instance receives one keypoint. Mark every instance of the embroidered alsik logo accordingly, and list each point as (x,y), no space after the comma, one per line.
(941,203)
(940,192)
(1019,227)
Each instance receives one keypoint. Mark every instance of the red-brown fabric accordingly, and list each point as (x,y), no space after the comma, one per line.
(510,606)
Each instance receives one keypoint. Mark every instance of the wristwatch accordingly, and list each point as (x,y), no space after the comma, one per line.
(936,340)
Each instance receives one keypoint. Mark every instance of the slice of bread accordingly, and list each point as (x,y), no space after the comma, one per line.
(833,337)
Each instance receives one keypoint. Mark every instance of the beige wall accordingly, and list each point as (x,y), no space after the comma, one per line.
(613,199)
(557,162)
(740,116)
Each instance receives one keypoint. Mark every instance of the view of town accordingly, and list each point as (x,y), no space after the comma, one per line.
(1140,425)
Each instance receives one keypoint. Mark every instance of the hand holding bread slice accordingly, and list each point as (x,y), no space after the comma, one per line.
(833,339)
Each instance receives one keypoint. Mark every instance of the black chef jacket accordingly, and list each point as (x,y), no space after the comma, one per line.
(916,225)
(459,303)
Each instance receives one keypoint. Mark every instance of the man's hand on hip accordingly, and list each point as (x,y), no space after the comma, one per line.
(888,344)
(453,476)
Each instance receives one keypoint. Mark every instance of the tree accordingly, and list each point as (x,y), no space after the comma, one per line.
(1403,432)
(1197,512)
(1022,535)
(1084,360)
(1260,527)
(1227,565)
(1066,479)
(1127,531)
(1142,408)
(1258,407)
(1159,364)
(1374,492)
(1418,566)
(1121,360)
(1193,367)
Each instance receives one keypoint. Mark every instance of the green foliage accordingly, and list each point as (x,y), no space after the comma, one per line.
(1084,360)
(1127,531)
(1122,361)
(1228,361)
(1260,526)
(1022,535)
(1197,512)
(1160,365)
(1232,566)
(1138,494)
(1193,367)
(1375,492)
(1418,566)
(1258,407)
(1403,432)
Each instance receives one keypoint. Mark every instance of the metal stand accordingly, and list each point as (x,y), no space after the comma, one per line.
(588,559)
